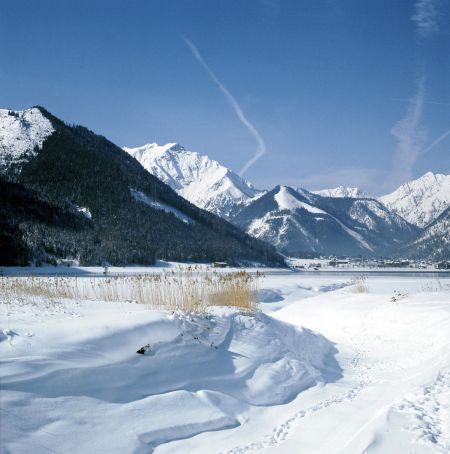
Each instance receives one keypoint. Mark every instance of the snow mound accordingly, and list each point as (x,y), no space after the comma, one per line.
(213,367)
(269,295)
(21,133)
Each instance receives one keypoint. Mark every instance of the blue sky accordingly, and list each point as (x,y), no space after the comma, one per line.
(341,92)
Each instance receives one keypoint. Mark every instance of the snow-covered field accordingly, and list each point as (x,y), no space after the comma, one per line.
(321,368)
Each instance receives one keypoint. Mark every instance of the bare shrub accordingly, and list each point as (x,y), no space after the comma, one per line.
(398,296)
(360,284)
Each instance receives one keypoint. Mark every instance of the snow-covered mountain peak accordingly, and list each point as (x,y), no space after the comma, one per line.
(21,133)
(343,191)
(153,149)
(196,177)
(287,200)
(430,176)
(420,201)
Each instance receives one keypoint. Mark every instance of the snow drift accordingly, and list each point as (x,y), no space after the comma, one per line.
(78,374)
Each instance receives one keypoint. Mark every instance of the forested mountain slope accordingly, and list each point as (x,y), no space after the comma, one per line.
(132,216)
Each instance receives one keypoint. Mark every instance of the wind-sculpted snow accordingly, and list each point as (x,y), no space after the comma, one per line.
(81,369)
(72,380)
(21,133)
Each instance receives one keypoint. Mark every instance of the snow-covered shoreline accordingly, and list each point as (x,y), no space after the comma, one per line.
(162,267)
(371,370)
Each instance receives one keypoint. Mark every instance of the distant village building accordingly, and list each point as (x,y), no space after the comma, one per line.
(394,264)
(220,264)
(315,265)
(443,265)
(338,262)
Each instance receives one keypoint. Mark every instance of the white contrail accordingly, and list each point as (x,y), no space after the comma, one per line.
(410,136)
(435,142)
(426,17)
(260,145)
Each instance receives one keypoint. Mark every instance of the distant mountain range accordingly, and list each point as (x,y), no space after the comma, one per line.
(66,192)
(69,193)
(342,220)
(303,223)
(418,201)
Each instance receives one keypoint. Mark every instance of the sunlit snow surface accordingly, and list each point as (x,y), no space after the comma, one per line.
(286,201)
(321,369)
(21,132)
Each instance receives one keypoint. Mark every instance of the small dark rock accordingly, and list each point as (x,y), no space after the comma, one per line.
(143,349)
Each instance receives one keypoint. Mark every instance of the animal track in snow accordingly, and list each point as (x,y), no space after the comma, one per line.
(428,412)
(280,432)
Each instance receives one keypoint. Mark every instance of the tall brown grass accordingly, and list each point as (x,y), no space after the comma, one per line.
(187,291)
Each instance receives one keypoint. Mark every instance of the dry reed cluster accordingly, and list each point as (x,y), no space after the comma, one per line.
(187,291)
(360,284)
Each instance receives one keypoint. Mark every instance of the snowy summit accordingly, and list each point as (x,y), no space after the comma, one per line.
(343,191)
(420,201)
(21,132)
(197,178)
